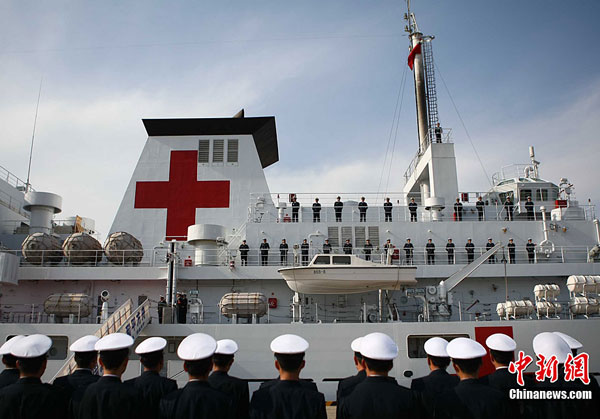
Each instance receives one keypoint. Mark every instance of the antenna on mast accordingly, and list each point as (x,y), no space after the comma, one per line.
(27,184)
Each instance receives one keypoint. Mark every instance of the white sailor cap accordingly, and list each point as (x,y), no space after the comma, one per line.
(5,349)
(378,346)
(84,344)
(572,342)
(489,238)
(153,344)
(113,342)
(436,346)
(469,238)
(501,342)
(465,348)
(31,346)
(355,345)
(529,238)
(226,347)
(548,344)
(197,346)
(510,239)
(289,344)
(449,238)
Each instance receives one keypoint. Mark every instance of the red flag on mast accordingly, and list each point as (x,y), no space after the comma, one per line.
(411,57)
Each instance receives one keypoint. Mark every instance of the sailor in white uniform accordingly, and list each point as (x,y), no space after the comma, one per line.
(29,397)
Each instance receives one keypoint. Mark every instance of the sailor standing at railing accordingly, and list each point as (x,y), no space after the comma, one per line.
(511,251)
(412,208)
(348,247)
(244,249)
(264,253)
(529,206)
(304,248)
(362,209)
(430,249)
(295,210)
(438,133)
(450,250)
(326,247)
(408,250)
(458,210)
(510,207)
(480,205)
(470,249)
(368,248)
(316,207)
(490,245)
(283,252)
(530,248)
(387,209)
(338,206)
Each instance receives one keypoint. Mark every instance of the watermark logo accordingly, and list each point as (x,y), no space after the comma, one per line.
(575,367)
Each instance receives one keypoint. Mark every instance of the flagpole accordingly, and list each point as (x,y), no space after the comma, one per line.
(27,185)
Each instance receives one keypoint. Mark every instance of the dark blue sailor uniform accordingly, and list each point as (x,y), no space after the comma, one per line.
(109,398)
(30,398)
(380,398)
(236,388)
(74,386)
(153,387)
(346,386)
(196,400)
(472,400)
(431,386)
(286,399)
(8,376)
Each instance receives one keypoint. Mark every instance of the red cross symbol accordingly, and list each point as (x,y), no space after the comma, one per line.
(182,194)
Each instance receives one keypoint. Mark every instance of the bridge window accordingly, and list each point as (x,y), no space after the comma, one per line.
(415,344)
(322,260)
(524,193)
(203,151)
(232,151)
(541,194)
(341,260)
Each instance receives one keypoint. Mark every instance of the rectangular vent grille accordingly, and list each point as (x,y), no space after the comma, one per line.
(346,234)
(218,151)
(232,151)
(359,236)
(374,235)
(203,150)
(334,238)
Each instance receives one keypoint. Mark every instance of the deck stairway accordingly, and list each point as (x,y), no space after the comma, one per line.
(124,320)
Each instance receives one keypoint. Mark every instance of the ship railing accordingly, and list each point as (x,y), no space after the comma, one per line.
(431,137)
(187,256)
(13,204)
(14,180)
(418,256)
(350,213)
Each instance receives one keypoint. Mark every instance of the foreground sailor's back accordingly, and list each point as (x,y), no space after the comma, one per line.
(220,379)
(288,397)
(29,397)
(150,383)
(197,399)
(378,395)
(108,397)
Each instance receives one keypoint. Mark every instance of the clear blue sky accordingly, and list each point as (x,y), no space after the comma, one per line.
(520,72)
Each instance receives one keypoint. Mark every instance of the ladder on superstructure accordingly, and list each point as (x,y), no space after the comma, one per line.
(432,108)
(124,320)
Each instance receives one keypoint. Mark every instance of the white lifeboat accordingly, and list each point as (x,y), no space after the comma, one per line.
(346,274)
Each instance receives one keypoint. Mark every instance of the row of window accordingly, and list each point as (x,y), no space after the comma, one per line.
(215,151)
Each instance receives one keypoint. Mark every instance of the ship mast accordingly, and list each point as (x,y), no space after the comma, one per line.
(431,176)
(416,39)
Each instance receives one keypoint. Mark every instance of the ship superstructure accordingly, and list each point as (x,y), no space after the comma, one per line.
(199,190)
